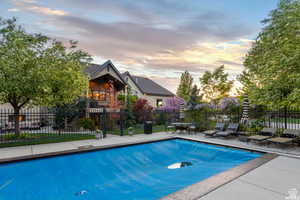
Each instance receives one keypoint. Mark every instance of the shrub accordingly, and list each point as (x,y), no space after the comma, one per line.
(142,110)
(21,136)
(130,130)
(255,125)
(72,111)
(87,123)
(201,117)
(160,118)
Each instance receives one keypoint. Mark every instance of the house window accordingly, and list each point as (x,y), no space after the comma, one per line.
(11,118)
(99,95)
(159,102)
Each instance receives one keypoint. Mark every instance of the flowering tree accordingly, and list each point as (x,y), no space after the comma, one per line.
(209,106)
(142,110)
(229,104)
(230,107)
(172,104)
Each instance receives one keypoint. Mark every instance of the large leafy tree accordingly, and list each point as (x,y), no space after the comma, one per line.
(272,75)
(185,86)
(36,70)
(215,85)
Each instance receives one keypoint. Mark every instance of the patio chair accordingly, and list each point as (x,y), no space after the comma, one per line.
(192,128)
(265,133)
(170,128)
(219,127)
(231,129)
(289,136)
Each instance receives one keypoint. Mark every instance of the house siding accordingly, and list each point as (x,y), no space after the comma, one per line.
(134,89)
(152,99)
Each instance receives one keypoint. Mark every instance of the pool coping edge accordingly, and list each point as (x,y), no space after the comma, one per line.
(109,146)
(80,150)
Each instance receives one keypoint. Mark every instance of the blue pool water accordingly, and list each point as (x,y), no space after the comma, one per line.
(134,172)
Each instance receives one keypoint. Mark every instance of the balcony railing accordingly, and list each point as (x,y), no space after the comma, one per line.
(100,98)
(97,104)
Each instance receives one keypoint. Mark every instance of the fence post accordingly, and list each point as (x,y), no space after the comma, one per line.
(103,122)
(121,122)
(285,117)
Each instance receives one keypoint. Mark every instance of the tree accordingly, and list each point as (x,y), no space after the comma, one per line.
(142,110)
(185,86)
(272,75)
(194,98)
(215,85)
(128,101)
(36,70)
(172,104)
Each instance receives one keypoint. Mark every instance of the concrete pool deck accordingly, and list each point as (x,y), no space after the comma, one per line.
(272,180)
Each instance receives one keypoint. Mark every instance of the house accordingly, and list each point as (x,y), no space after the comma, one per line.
(105,82)
(147,89)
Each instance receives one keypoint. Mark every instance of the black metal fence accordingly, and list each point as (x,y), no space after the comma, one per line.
(286,118)
(38,124)
(60,124)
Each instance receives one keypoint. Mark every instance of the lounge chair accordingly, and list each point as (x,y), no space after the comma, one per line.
(231,129)
(288,137)
(219,127)
(265,133)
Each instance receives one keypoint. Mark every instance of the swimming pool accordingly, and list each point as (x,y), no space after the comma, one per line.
(133,172)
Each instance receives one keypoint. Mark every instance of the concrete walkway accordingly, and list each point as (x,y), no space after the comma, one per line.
(11,152)
(270,181)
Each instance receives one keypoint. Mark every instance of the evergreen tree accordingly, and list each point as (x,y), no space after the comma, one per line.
(194,98)
(185,86)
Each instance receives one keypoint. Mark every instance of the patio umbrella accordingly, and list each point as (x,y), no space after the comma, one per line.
(181,111)
(246,106)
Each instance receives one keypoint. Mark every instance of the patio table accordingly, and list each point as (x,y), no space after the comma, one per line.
(181,125)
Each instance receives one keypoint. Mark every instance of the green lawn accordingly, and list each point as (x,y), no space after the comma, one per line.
(289,120)
(9,140)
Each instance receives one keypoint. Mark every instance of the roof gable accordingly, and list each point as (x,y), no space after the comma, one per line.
(94,70)
(148,86)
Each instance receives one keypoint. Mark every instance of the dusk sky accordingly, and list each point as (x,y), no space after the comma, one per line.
(154,38)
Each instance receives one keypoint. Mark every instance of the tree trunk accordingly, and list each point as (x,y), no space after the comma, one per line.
(17,120)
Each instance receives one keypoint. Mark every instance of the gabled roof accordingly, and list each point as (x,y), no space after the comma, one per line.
(93,70)
(147,86)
